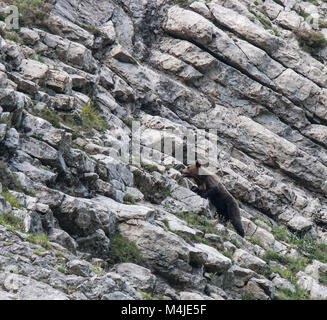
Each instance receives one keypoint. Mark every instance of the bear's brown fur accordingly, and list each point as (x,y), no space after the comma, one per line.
(210,187)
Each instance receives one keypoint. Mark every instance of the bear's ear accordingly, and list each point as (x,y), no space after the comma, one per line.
(198,164)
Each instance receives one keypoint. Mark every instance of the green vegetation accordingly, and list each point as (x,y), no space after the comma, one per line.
(40,239)
(264,21)
(11,199)
(129,199)
(287,294)
(51,116)
(322,24)
(13,36)
(310,41)
(280,233)
(315,2)
(309,250)
(235,243)
(88,120)
(197,221)
(11,222)
(165,222)
(61,269)
(323,277)
(248,296)
(7,179)
(90,28)
(124,250)
(39,252)
(276,32)
(292,263)
(182,3)
(98,269)
(128,121)
(267,222)
(254,241)
(2,17)
(303,13)
(290,267)
(31,12)
(10,181)
(228,254)
(149,167)
(204,225)
(148,296)
(304,244)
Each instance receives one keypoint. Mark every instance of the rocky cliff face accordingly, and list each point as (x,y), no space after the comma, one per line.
(80,220)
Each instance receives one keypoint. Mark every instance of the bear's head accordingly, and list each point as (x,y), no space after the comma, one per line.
(192,170)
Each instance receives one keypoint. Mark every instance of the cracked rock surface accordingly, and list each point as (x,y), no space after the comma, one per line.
(81,220)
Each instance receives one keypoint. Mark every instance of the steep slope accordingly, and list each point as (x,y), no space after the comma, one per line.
(82,83)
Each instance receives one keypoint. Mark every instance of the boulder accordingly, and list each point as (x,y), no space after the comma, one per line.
(139,277)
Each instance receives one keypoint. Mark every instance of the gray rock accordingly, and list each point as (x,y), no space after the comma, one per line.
(63,238)
(216,262)
(249,261)
(97,244)
(58,81)
(316,290)
(79,268)
(12,139)
(164,251)
(280,282)
(139,277)
(34,70)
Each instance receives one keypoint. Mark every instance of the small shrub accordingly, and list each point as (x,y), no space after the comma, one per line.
(61,269)
(91,28)
(264,21)
(323,277)
(10,221)
(235,243)
(303,13)
(248,296)
(9,180)
(292,264)
(197,221)
(51,116)
(11,199)
(149,166)
(310,41)
(129,199)
(315,2)
(322,24)
(40,239)
(38,252)
(91,119)
(123,250)
(254,241)
(165,222)
(182,3)
(280,233)
(88,120)
(228,254)
(13,36)
(276,32)
(98,269)
(148,296)
(287,294)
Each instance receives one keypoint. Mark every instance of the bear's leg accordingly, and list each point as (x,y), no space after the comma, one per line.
(235,218)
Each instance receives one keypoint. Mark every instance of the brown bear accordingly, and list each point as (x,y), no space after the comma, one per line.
(210,187)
